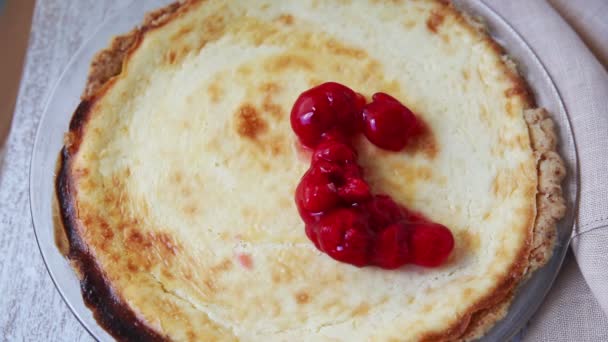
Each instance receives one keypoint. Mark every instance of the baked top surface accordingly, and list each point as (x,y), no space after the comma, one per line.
(184,165)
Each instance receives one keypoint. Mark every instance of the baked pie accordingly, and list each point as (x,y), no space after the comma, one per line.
(176,183)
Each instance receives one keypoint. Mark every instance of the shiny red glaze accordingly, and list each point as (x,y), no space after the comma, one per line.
(342,217)
(430,244)
(387,123)
(383,211)
(343,234)
(316,193)
(331,150)
(354,190)
(323,108)
(391,249)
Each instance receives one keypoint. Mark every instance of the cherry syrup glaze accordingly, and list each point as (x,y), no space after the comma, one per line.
(342,216)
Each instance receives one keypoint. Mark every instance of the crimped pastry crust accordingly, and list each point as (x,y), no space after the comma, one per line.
(118,318)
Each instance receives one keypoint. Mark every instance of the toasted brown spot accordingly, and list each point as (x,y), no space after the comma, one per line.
(277,146)
(468,293)
(302,297)
(469,240)
(514,91)
(288,61)
(361,309)
(81,172)
(487,215)
(106,231)
(286,19)
(247,213)
(214,25)
(222,267)
(424,142)
(136,241)
(210,285)
(427,308)
(190,209)
(446,38)
(249,123)
(244,70)
(167,274)
(502,252)
(176,177)
(270,88)
(338,48)
(434,21)
(167,243)
(522,141)
(131,266)
(274,109)
(409,24)
(282,274)
(171,56)
(465,74)
(216,91)
(509,109)
(179,35)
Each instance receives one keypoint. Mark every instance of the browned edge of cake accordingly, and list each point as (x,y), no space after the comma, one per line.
(115,315)
(109,309)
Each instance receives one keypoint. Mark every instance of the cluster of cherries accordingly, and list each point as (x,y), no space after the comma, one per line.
(343,218)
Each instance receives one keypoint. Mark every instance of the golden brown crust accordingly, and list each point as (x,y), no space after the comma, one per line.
(108,63)
(109,309)
(550,203)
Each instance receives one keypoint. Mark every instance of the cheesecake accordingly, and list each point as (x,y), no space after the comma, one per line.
(176,182)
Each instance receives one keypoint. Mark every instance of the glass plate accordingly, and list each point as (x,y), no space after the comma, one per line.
(65,98)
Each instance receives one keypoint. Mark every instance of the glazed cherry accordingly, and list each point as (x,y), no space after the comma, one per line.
(383,211)
(334,151)
(316,193)
(430,244)
(391,248)
(323,108)
(387,123)
(343,218)
(343,234)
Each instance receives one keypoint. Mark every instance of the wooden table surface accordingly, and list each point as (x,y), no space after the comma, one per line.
(15,22)
(30,306)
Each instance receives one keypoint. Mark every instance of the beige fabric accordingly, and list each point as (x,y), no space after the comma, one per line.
(572,312)
(569,313)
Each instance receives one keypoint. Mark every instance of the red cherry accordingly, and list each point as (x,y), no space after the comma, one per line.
(387,123)
(383,211)
(354,190)
(430,244)
(334,151)
(342,217)
(391,248)
(344,236)
(315,193)
(323,108)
